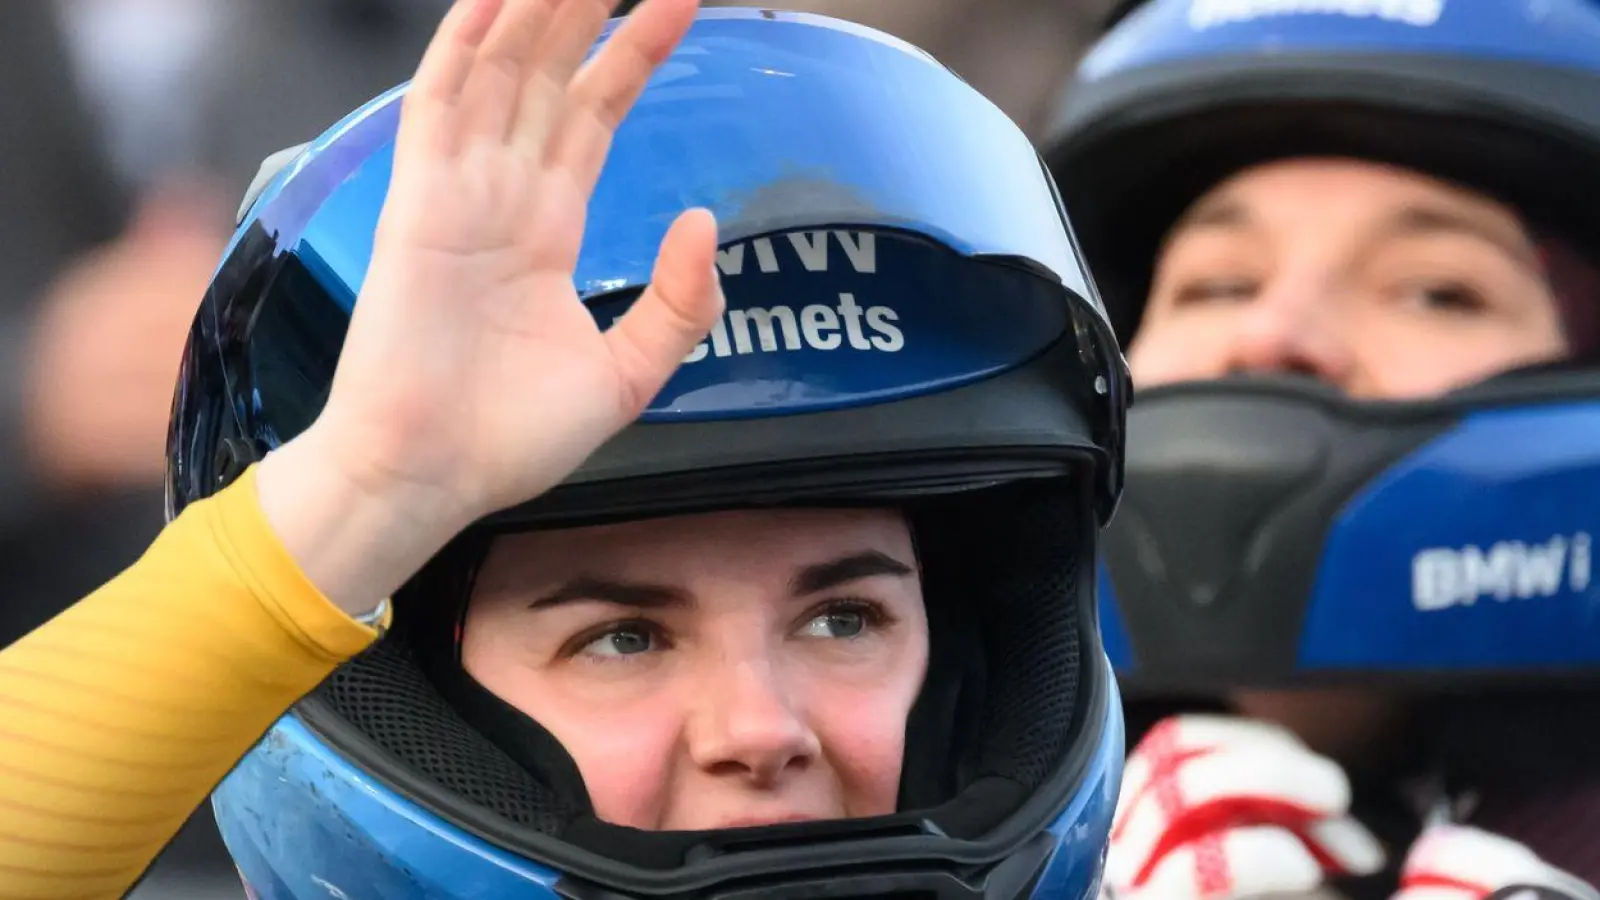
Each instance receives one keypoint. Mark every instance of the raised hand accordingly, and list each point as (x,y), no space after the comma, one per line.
(472,378)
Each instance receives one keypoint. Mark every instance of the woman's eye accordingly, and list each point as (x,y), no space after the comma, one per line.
(1216,289)
(1446,297)
(841,623)
(625,640)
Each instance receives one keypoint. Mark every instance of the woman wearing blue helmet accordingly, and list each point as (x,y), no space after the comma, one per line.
(766,591)
(1349,247)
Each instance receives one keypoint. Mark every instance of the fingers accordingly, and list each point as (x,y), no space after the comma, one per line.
(573,31)
(509,71)
(1244,862)
(673,314)
(1213,792)
(610,83)
(442,74)
(1175,741)
(1200,779)
(499,69)
(1253,861)
(1345,846)
(1457,862)
(572,35)
(508,55)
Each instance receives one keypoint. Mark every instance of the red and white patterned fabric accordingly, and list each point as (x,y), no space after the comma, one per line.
(1455,862)
(1214,808)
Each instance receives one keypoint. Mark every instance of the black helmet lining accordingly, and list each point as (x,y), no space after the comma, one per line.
(998,713)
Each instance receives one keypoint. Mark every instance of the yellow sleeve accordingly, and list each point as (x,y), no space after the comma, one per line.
(119,716)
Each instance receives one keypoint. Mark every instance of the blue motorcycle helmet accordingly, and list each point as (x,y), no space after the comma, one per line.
(1276,533)
(908,323)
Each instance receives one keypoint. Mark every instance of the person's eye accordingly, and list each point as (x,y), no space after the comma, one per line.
(1210,290)
(626,639)
(844,620)
(1445,296)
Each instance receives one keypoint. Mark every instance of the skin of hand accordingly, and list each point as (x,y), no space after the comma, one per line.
(106,347)
(472,377)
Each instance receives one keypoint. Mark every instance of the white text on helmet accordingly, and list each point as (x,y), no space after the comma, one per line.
(810,249)
(845,325)
(1205,14)
(1442,577)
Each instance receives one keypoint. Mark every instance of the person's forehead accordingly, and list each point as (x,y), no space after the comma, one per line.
(1322,189)
(671,556)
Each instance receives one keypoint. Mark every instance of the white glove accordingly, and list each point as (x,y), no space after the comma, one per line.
(1217,808)
(1455,862)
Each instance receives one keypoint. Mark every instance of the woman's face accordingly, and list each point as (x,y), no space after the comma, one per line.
(713,671)
(1380,281)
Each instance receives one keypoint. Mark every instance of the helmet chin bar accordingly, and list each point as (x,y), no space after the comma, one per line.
(1275,533)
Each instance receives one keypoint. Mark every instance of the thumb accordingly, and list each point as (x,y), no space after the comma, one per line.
(673,314)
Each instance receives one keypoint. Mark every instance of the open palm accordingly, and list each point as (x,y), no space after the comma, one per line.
(471,369)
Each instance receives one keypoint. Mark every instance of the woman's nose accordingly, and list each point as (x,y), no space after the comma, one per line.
(1290,329)
(746,726)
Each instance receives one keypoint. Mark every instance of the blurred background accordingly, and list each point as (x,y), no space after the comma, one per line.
(128,131)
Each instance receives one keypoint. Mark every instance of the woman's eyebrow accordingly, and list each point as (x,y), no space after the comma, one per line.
(866,564)
(641,595)
(1425,219)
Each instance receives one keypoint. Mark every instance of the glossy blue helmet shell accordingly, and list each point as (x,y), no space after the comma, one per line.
(908,318)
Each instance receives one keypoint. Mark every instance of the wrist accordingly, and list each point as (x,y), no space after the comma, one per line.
(356,538)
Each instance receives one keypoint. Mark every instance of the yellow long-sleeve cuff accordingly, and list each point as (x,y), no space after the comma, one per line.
(119,716)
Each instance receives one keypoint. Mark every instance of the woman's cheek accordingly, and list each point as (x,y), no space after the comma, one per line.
(1414,363)
(625,755)
(862,729)
(1168,354)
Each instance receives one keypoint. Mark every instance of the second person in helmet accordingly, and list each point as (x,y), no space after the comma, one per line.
(1324,231)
